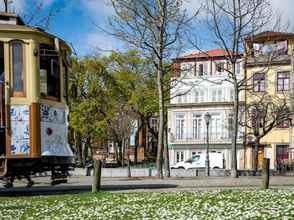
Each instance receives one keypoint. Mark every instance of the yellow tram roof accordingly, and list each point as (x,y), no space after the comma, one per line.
(20,27)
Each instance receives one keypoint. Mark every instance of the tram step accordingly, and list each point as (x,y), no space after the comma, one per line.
(58,181)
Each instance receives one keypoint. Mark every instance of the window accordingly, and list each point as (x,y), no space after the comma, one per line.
(17,68)
(231,97)
(65,81)
(154,124)
(205,69)
(259,82)
(213,95)
(201,99)
(195,158)
(284,124)
(215,127)
(283,81)
(179,98)
(238,68)
(180,121)
(230,126)
(197,124)
(201,69)
(185,98)
(219,94)
(179,156)
(196,96)
(220,67)
(49,72)
(187,69)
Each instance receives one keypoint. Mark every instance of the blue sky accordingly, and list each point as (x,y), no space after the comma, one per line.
(75,22)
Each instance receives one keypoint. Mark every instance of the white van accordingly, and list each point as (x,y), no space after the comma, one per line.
(216,160)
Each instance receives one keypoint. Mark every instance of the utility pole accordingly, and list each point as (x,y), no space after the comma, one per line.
(207,118)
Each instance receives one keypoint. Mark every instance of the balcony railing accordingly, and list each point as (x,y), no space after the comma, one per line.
(213,138)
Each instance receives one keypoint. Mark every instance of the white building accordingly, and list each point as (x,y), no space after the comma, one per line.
(198,86)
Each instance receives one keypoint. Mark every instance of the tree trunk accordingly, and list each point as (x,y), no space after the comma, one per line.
(255,156)
(119,149)
(79,151)
(161,124)
(129,164)
(85,152)
(136,148)
(234,171)
(166,155)
(265,173)
(97,176)
(123,153)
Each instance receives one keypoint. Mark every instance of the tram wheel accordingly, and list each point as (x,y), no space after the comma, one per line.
(30,184)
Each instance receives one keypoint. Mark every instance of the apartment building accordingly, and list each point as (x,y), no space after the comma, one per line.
(199,86)
(269,68)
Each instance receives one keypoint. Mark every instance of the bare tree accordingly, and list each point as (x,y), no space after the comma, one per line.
(156,28)
(120,127)
(230,22)
(263,115)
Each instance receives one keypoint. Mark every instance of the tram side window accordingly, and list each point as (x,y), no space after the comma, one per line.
(65,81)
(49,72)
(17,67)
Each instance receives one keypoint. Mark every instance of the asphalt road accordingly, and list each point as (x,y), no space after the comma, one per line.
(79,184)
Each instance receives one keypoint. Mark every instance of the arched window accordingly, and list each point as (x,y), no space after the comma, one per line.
(17,68)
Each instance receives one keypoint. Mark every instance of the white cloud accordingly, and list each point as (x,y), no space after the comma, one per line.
(97,8)
(97,42)
(283,7)
(286,9)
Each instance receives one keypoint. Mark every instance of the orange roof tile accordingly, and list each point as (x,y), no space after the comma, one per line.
(206,54)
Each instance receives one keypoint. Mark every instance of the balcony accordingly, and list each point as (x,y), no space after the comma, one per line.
(214,138)
(268,60)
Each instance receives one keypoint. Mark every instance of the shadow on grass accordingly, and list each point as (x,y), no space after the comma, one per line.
(75,189)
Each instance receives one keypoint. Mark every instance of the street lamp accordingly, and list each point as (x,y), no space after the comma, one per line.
(207,118)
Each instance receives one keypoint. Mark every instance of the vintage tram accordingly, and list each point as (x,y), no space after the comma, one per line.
(33,93)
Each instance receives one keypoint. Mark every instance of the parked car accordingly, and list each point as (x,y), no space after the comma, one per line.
(216,160)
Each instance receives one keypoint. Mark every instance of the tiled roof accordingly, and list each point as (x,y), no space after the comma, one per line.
(206,54)
(266,35)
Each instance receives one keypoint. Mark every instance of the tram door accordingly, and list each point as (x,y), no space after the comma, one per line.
(2,102)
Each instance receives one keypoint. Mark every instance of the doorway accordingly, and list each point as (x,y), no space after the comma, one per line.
(282,157)
(2,101)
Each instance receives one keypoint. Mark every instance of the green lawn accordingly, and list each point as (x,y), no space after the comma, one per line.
(271,204)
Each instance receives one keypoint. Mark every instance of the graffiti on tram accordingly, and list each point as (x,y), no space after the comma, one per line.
(20,129)
(54,131)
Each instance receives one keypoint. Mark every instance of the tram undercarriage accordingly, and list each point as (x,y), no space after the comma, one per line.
(56,167)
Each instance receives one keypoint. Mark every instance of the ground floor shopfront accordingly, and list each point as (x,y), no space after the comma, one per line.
(281,156)
(182,152)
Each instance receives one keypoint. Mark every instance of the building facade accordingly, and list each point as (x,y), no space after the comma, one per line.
(269,68)
(199,86)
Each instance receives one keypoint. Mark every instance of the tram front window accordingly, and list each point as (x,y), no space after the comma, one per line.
(49,72)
